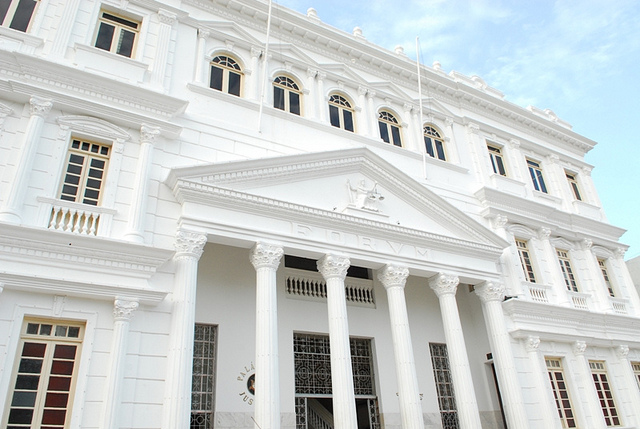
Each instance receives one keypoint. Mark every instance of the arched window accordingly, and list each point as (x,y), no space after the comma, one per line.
(433,143)
(226,75)
(340,112)
(286,95)
(389,128)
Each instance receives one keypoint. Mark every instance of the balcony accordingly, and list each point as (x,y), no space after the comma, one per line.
(311,286)
(538,292)
(76,218)
(579,300)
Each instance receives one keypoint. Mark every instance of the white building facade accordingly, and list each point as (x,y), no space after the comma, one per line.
(200,229)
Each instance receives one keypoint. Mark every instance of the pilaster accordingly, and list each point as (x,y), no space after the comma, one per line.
(166,20)
(546,401)
(445,287)
(334,270)
(589,394)
(631,390)
(200,66)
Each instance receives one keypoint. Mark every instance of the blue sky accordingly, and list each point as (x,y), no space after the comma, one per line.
(579,58)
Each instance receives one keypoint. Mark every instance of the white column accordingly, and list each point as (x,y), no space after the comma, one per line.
(138,208)
(589,393)
(600,289)
(372,117)
(492,294)
(625,285)
(122,311)
(546,402)
(12,210)
(167,19)
(411,142)
(323,106)
(266,259)
(631,387)
(312,103)
(394,278)
(557,280)
(189,247)
(517,166)
(199,68)
(445,287)
(251,85)
(334,269)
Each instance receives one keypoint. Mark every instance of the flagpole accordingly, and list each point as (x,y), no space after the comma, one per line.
(264,69)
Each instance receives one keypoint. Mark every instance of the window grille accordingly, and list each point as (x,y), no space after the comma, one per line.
(204,376)
(444,386)
(560,392)
(605,395)
(45,375)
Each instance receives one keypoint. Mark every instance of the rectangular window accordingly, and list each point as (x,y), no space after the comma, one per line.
(607,403)
(45,375)
(85,173)
(116,34)
(573,183)
(636,371)
(444,386)
(525,261)
(497,162)
(603,268)
(204,376)
(536,176)
(560,392)
(17,14)
(567,270)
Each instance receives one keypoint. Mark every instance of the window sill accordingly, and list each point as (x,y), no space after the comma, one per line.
(109,64)
(588,210)
(547,197)
(14,40)
(508,185)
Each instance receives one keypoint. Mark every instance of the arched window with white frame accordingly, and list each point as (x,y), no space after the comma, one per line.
(226,75)
(341,112)
(389,128)
(287,95)
(434,143)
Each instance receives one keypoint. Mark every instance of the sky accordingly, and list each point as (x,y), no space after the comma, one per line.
(579,58)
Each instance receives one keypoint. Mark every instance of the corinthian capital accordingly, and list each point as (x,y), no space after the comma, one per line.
(393,276)
(579,348)
(490,291)
(123,309)
(148,133)
(190,244)
(622,351)
(532,343)
(444,284)
(333,266)
(266,255)
(40,106)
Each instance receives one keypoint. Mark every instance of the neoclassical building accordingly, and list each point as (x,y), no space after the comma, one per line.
(214,214)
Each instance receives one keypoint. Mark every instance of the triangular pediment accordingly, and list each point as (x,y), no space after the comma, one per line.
(227,30)
(391,89)
(351,190)
(287,52)
(344,72)
(432,107)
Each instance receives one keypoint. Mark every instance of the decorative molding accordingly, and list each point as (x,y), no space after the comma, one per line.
(619,252)
(622,351)
(500,221)
(522,231)
(544,233)
(92,126)
(123,309)
(59,302)
(393,276)
(579,348)
(189,244)
(333,266)
(562,243)
(39,106)
(490,291)
(532,343)
(148,134)
(264,255)
(444,284)
(166,17)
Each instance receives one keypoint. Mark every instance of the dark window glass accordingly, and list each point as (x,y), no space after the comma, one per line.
(24,399)
(20,416)
(27,382)
(348,120)
(440,149)
(215,81)
(428,143)
(34,349)
(105,36)
(61,384)
(395,132)
(234,84)
(120,20)
(4,8)
(33,366)
(384,132)
(62,367)
(294,103)
(54,417)
(72,180)
(278,98)
(334,116)
(23,14)
(56,400)
(125,46)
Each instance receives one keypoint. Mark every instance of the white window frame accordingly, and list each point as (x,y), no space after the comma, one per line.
(119,31)
(390,123)
(635,366)
(566,267)
(558,379)
(602,264)
(32,333)
(572,179)
(11,11)
(91,152)
(342,107)
(526,260)
(497,160)
(537,178)
(602,384)
(289,87)
(228,66)
(434,142)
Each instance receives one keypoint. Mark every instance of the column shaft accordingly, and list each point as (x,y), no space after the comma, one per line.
(189,247)
(266,258)
(589,396)
(468,414)
(492,295)
(631,386)
(546,402)
(334,269)
(200,56)
(394,279)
